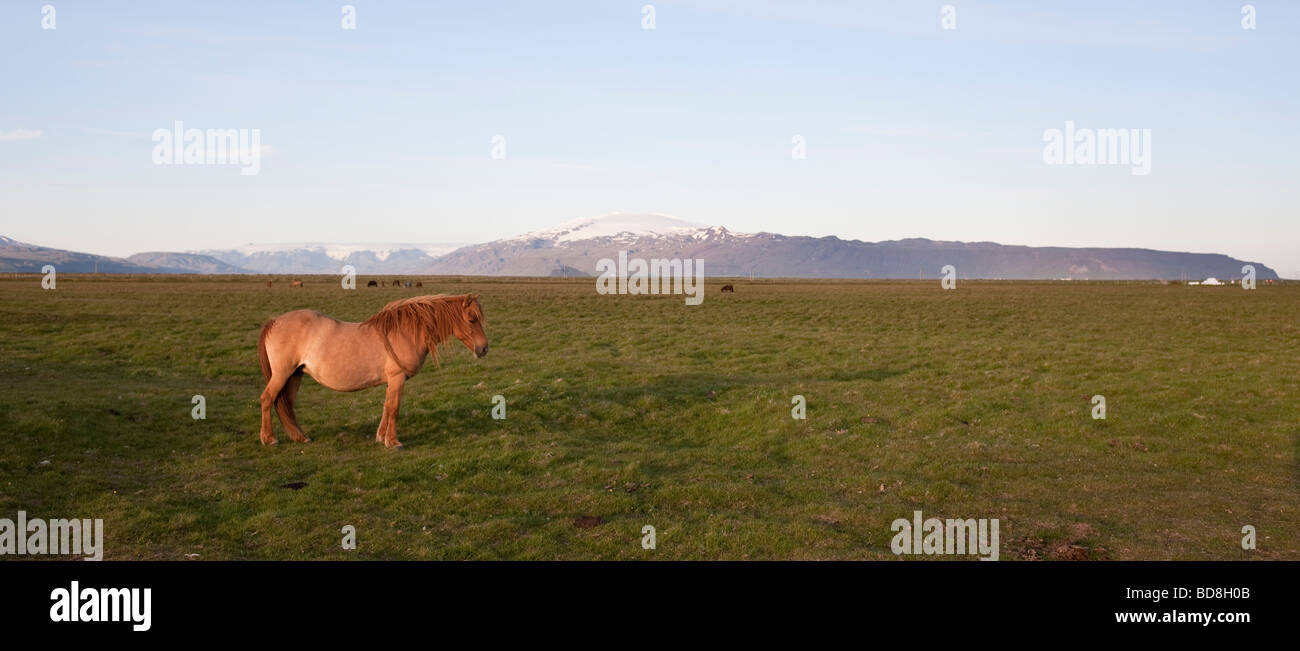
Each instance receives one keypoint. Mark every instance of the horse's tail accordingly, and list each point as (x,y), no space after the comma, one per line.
(261,351)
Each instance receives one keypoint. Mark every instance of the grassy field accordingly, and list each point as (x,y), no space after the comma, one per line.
(625,411)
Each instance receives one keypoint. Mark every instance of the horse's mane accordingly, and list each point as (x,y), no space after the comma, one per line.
(429,318)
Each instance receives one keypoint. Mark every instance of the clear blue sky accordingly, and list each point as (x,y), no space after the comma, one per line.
(384,133)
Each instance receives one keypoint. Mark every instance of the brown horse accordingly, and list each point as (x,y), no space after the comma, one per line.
(296,283)
(389,347)
(728,289)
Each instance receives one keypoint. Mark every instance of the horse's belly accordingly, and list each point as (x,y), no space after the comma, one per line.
(344,378)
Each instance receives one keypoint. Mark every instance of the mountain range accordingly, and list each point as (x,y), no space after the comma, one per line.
(20,257)
(330,258)
(573,249)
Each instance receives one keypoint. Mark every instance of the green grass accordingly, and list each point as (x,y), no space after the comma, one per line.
(642,410)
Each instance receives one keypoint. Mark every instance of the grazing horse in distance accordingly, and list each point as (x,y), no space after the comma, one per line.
(372,284)
(728,289)
(406,284)
(389,347)
(397,283)
(296,283)
(419,284)
(268,283)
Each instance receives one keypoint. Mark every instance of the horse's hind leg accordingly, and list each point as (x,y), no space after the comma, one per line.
(270,399)
(269,395)
(284,405)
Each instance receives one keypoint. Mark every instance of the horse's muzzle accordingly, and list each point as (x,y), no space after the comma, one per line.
(481,352)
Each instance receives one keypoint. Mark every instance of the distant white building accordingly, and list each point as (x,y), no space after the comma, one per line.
(1211,281)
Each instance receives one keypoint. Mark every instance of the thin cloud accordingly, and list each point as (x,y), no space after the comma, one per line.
(20,134)
(119,134)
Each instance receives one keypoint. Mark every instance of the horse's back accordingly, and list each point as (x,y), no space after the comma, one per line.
(304,317)
(310,328)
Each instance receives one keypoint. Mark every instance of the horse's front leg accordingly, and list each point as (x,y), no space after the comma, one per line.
(387,433)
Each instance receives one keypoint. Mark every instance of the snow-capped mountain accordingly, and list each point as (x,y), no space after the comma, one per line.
(573,247)
(614,225)
(321,258)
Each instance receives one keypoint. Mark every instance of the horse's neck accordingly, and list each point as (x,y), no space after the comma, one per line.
(432,337)
(418,342)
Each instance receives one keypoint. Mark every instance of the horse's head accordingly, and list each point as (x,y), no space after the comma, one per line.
(469,330)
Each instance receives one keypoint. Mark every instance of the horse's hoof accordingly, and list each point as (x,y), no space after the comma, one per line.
(269,441)
(302,440)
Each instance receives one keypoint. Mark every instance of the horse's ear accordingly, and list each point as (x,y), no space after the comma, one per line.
(470,298)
